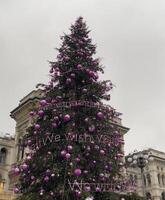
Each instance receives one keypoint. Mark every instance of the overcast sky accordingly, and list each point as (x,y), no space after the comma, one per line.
(130,36)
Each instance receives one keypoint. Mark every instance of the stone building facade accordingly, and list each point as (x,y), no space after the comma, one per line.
(7,155)
(151,182)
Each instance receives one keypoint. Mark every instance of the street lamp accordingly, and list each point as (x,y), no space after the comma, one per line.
(140,160)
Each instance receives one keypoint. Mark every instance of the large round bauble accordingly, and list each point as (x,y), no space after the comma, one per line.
(46,179)
(31,113)
(100,115)
(29,157)
(77,172)
(63,153)
(68,81)
(87,188)
(79,66)
(16,170)
(78,194)
(67,156)
(102,152)
(69,148)
(67,118)
(43,102)
(91,128)
(37,127)
(41,113)
(25,167)
(16,190)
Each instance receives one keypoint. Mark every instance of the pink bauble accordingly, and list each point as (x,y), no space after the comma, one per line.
(70,148)
(67,118)
(86,119)
(77,172)
(63,153)
(28,157)
(41,192)
(79,66)
(16,170)
(43,102)
(78,194)
(91,73)
(68,81)
(37,127)
(100,115)
(41,113)
(31,113)
(46,179)
(16,190)
(102,152)
(98,189)
(85,171)
(72,75)
(84,90)
(91,128)
(25,166)
(67,156)
(87,188)
(54,125)
(51,193)
(77,160)
(29,142)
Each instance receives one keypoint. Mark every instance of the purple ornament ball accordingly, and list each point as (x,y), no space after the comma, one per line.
(67,156)
(37,127)
(63,153)
(24,166)
(46,179)
(67,118)
(102,152)
(16,190)
(41,113)
(78,193)
(16,170)
(100,115)
(70,148)
(91,128)
(77,172)
(31,113)
(68,81)
(43,102)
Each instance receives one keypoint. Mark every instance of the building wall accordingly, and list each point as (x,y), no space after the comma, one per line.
(7,157)
(153,181)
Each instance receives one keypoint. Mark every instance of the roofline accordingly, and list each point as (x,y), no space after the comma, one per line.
(21,105)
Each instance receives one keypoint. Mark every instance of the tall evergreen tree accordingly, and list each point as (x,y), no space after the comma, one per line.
(74,143)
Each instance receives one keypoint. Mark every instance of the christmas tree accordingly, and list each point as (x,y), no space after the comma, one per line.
(74,144)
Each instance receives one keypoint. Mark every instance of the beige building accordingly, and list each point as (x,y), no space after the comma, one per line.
(151,182)
(7,155)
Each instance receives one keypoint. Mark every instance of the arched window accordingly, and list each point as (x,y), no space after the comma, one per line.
(1,183)
(149,179)
(148,196)
(131,179)
(135,179)
(21,150)
(144,180)
(163,195)
(163,180)
(159,179)
(3,153)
